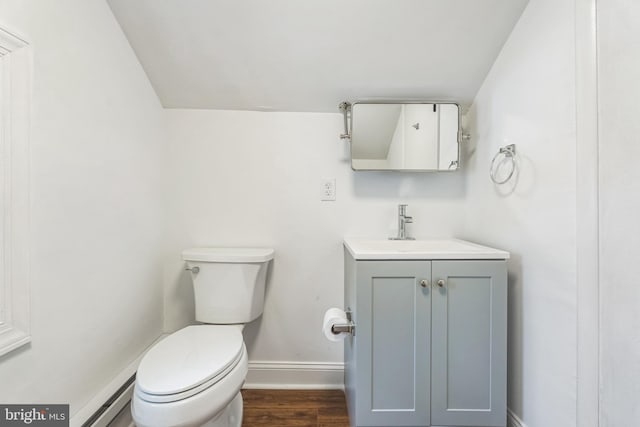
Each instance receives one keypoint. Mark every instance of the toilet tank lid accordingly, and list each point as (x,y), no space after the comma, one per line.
(228,254)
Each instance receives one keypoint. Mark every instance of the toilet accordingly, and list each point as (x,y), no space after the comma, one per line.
(193,377)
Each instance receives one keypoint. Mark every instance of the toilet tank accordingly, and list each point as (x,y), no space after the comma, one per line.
(228,283)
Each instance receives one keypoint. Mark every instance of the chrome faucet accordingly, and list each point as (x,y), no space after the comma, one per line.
(403,220)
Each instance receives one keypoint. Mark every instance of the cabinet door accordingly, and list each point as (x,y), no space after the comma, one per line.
(469,337)
(393,335)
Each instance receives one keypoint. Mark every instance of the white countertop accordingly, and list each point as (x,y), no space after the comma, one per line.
(380,249)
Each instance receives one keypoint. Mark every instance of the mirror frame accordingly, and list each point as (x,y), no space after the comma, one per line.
(347,107)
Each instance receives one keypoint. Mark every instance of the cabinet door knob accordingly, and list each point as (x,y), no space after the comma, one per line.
(441,283)
(424,283)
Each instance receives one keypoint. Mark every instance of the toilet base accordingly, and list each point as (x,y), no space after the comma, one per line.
(231,416)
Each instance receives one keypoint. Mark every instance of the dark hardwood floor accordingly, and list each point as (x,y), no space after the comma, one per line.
(294,408)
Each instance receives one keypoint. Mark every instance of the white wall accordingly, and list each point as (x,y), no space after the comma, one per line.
(619,91)
(250,178)
(528,99)
(97,218)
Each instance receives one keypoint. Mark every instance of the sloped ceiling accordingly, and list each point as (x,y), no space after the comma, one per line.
(309,55)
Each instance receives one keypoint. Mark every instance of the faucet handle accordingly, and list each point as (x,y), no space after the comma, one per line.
(408,219)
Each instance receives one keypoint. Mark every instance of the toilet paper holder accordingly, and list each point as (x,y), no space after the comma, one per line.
(350,328)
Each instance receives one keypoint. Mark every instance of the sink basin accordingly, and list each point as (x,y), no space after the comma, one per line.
(363,249)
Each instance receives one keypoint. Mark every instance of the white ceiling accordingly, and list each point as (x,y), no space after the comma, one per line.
(309,55)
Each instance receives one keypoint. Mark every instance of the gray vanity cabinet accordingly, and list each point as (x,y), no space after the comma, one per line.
(392,343)
(469,343)
(430,342)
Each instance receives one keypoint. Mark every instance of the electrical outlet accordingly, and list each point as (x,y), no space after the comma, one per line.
(328,189)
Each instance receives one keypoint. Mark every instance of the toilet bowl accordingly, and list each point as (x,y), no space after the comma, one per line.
(190,377)
(193,377)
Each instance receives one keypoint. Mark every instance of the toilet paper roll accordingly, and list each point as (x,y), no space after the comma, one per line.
(334,316)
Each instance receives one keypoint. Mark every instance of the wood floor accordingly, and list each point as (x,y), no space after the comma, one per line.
(294,408)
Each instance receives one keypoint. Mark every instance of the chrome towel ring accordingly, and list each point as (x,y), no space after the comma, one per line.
(506,154)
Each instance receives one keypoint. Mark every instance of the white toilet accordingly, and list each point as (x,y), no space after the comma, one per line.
(193,377)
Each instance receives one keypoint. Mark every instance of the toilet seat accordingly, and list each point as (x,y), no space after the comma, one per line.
(188,362)
(194,411)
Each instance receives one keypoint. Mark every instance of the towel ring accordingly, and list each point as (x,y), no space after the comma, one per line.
(508,152)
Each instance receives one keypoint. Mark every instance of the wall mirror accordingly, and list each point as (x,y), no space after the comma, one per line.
(415,136)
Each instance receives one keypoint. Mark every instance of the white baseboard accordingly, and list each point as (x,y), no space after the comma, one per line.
(101,397)
(113,411)
(295,375)
(513,420)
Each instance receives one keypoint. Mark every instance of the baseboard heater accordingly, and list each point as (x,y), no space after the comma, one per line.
(112,407)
